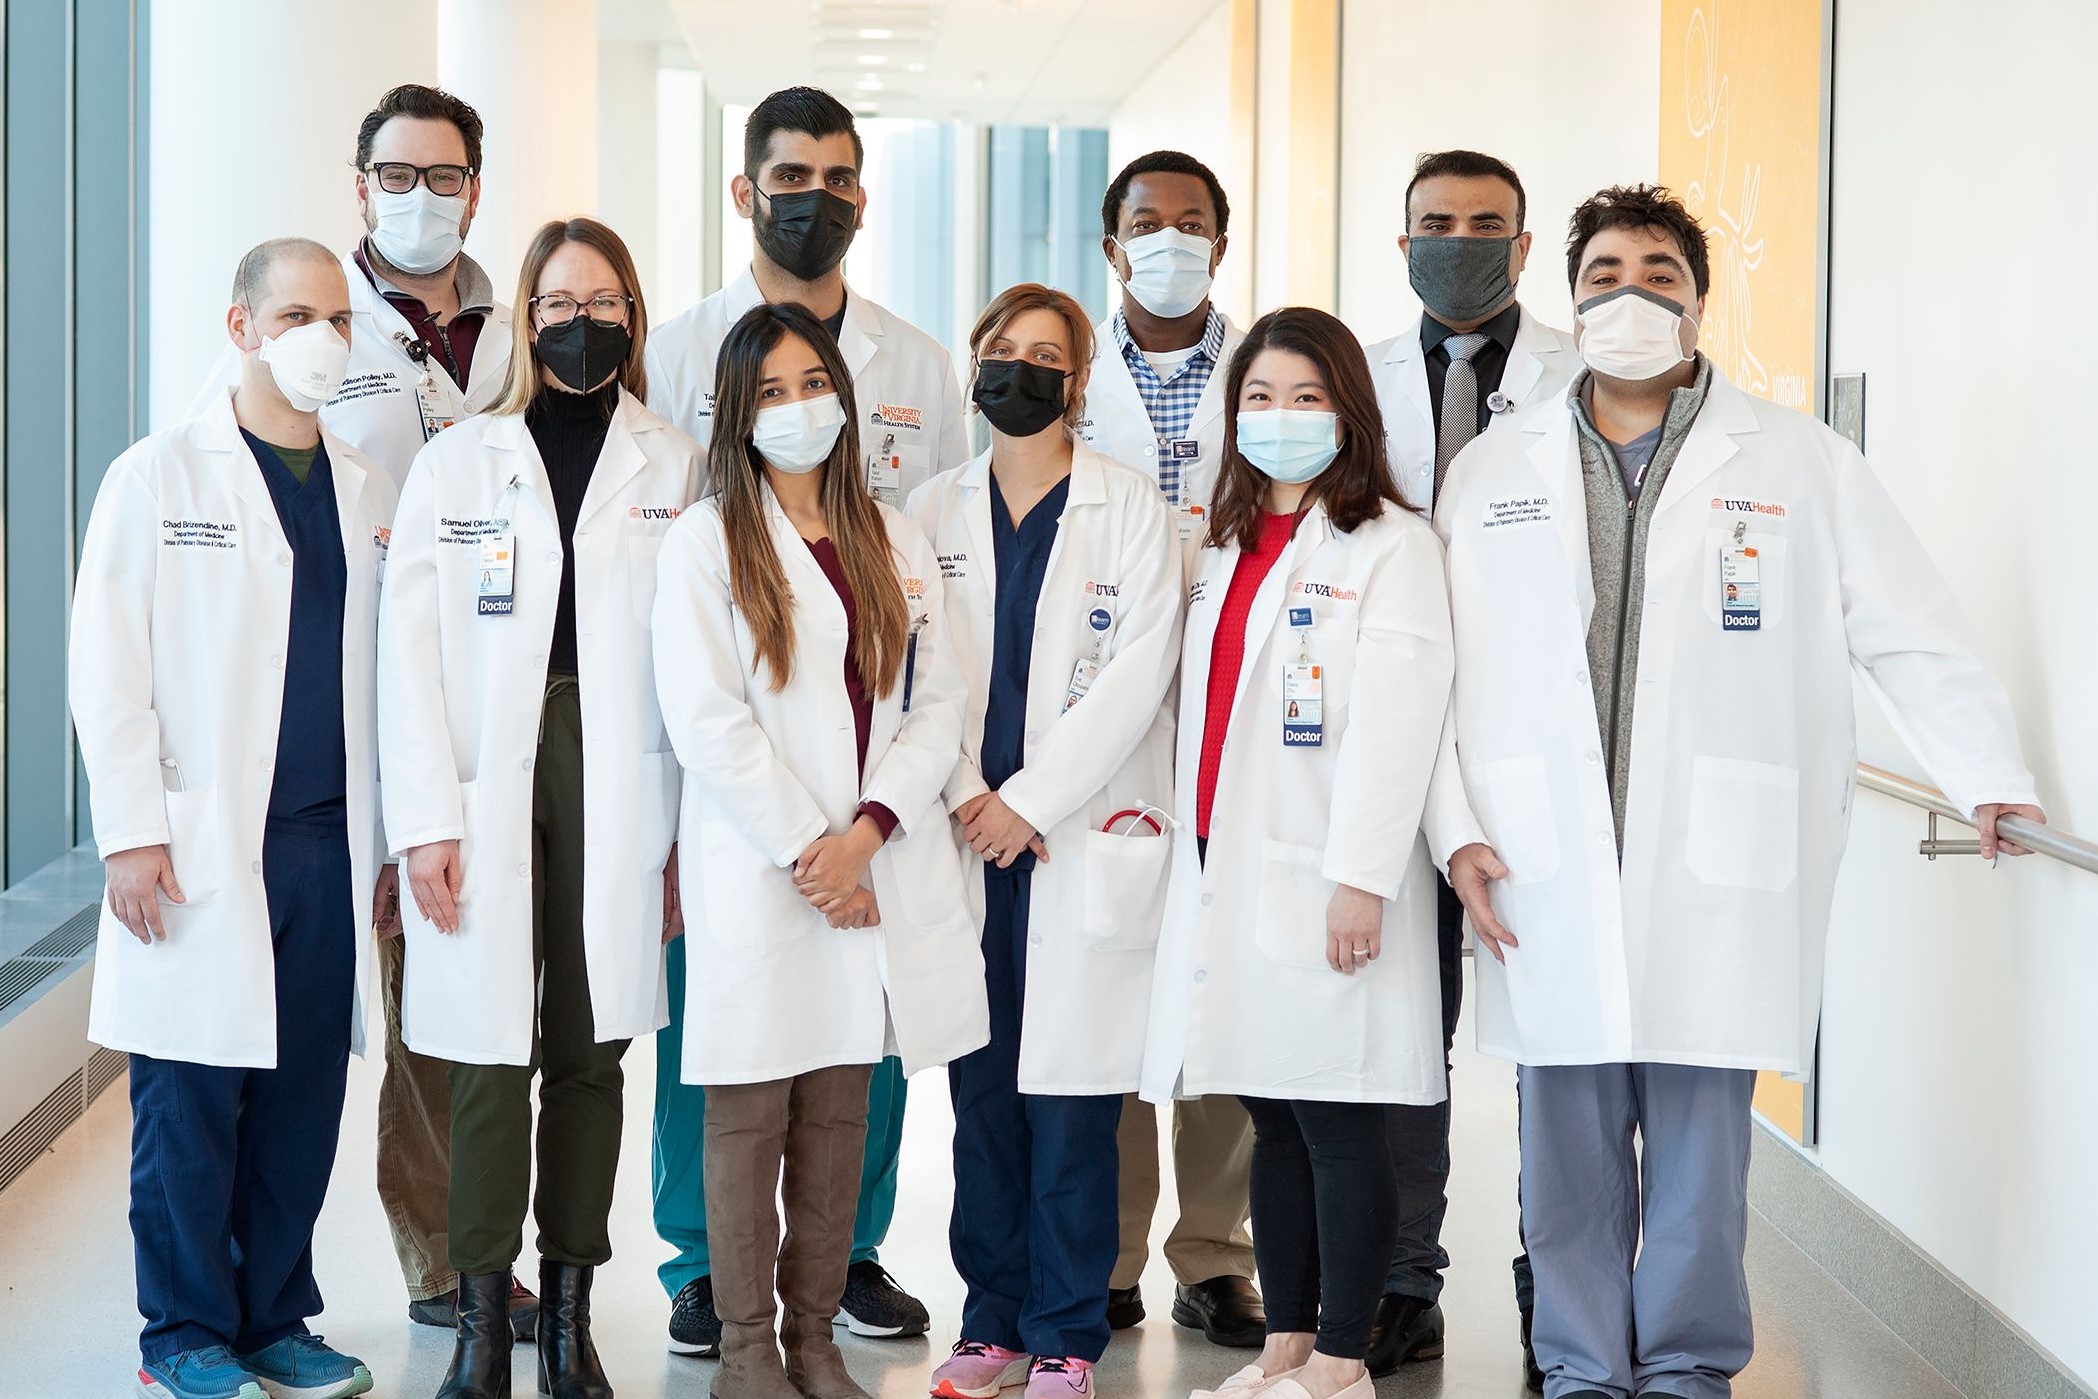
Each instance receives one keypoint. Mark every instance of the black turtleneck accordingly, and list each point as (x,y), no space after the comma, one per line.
(569,430)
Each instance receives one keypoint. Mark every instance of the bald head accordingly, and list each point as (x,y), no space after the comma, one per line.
(251,280)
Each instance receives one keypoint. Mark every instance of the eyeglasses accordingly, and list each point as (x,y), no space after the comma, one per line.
(398,177)
(558,309)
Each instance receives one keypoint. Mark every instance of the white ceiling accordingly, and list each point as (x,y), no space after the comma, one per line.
(1030,61)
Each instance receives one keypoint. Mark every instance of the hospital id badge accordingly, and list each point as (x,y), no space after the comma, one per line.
(885,473)
(436,410)
(497,594)
(1190,520)
(1082,677)
(1740,589)
(1303,705)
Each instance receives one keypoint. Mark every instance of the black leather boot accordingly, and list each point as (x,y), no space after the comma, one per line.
(568,1364)
(480,1366)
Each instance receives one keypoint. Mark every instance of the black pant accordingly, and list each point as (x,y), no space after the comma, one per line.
(1325,1212)
(1420,1136)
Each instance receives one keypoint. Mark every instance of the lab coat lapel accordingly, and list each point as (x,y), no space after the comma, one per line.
(1312,531)
(976,510)
(220,433)
(1555,454)
(1111,386)
(1088,489)
(807,583)
(1523,370)
(618,461)
(1412,367)
(1710,443)
(507,434)
(859,337)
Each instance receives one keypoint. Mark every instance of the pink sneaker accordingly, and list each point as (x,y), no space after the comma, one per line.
(1059,1378)
(977,1370)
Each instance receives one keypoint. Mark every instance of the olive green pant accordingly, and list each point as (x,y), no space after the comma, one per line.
(581,1083)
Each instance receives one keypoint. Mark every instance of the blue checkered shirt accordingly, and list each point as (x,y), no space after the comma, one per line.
(1171,402)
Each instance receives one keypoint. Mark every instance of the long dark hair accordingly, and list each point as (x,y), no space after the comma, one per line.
(1354,488)
(735,471)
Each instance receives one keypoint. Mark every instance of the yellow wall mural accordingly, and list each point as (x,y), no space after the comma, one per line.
(1740,143)
(1741,84)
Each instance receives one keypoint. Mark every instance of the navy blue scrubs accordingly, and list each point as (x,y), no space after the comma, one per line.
(1035,1226)
(229,1166)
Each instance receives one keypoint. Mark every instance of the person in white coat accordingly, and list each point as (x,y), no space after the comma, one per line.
(1475,359)
(1297,968)
(1661,589)
(807,683)
(517,711)
(220,673)
(1155,400)
(431,345)
(1063,591)
(800,188)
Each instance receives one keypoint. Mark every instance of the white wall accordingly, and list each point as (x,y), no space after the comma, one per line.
(1573,104)
(1187,107)
(1959,1041)
(232,166)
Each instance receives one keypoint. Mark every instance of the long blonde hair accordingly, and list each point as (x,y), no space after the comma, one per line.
(523,385)
(735,472)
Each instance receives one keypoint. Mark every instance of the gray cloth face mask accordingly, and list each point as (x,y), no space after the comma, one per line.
(1460,279)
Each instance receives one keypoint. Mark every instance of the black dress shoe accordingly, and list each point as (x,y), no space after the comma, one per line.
(568,1363)
(1406,1328)
(1226,1309)
(480,1367)
(1533,1377)
(1125,1308)
(443,1311)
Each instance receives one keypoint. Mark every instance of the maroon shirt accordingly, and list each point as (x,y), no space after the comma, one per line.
(862,703)
(451,345)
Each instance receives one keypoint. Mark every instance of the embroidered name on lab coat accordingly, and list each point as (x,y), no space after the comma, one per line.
(376,384)
(451,531)
(1519,510)
(200,534)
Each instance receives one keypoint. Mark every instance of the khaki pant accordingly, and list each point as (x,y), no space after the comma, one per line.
(415,1145)
(1212,1159)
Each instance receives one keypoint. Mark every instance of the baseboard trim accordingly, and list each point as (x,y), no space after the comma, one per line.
(1975,1347)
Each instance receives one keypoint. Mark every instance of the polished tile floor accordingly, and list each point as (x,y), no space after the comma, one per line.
(67,1324)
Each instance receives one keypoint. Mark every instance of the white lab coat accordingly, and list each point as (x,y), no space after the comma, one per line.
(1243,1000)
(774,990)
(909,402)
(176,673)
(377,410)
(459,711)
(1541,363)
(1099,899)
(1702,944)
(1118,426)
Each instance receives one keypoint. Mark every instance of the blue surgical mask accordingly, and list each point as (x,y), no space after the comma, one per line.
(1289,445)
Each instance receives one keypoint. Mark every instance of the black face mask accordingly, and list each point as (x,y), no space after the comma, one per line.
(1019,398)
(806,233)
(583,354)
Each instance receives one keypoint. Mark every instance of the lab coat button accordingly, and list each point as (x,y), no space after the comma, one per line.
(1580,677)
(1201,977)
(1594,757)
(1205,900)
(277,662)
(285,559)
(524,871)
(526,764)
(256,867)
(553,556)
(1034,942)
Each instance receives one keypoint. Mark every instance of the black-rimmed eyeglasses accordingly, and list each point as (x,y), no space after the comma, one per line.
(398,177)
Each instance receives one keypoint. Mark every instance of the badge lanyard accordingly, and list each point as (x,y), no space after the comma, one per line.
(1740,584)
(1087,670)
(1303,690)
(497,594)
(885,473)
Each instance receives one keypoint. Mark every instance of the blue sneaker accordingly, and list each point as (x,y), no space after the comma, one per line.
(301,1367)
(209,1372)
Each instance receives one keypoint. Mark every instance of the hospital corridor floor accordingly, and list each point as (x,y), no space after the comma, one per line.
(68,1325)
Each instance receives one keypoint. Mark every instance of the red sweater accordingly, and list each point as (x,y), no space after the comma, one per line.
(1227,655)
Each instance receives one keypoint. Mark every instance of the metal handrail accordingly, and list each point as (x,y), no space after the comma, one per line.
(2041,840)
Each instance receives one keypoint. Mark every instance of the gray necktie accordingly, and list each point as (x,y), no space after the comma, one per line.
(1460,405)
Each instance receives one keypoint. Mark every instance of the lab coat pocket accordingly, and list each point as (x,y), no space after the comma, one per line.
(1125,890)
(749,903)
(1744,824)
(1514,798)
(642,553)
(1289,924)
(657,827)
(194,844)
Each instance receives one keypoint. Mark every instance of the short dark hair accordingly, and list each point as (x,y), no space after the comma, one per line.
(1161,163)
(809,110)
(1638,206)
(1466,165)
(423,104)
